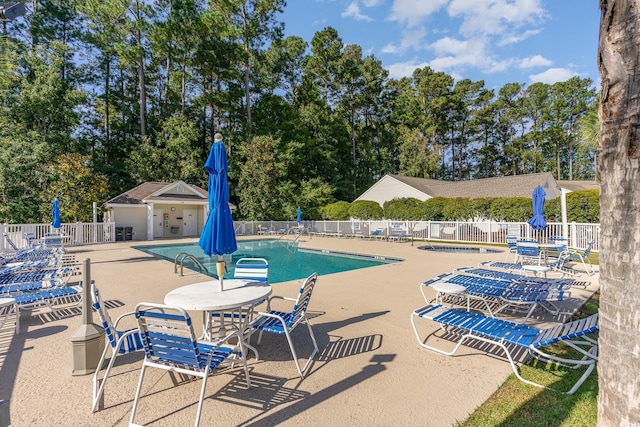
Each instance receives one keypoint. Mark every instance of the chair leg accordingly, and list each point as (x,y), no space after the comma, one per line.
(202,391)
(135,400)
(590,271)
(302,370)
(243,352)
(97,392)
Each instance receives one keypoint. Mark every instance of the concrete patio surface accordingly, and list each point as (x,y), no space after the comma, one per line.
(370,370)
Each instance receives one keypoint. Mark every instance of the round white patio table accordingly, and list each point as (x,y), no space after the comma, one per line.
(207,297)
(536,269)
(449,288)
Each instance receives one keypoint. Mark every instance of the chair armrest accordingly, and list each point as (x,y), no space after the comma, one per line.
(273,316)
(122,316)
(273,297)
(130,313)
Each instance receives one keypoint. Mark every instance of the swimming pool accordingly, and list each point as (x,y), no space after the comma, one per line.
(459,249)
(286,261)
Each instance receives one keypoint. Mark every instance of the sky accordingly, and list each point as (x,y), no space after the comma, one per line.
(498,41)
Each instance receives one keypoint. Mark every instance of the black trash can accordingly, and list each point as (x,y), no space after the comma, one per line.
(128,233)
(119,234)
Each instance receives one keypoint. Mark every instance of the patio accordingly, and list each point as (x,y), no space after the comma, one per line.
(370,370)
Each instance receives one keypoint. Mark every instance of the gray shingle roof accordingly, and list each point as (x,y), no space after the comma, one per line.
(136,195)
(507,186)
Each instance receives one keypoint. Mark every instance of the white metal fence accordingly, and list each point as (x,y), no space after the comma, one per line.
(580,234)
(78,233)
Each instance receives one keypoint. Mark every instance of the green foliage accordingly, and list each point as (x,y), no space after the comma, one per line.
(76,186)
(433,209)
(158,80)
(583,206)
(403,209)
(257,181)
(459,209)
(366,209)
(313,194)
(515,209)
(173,157)
(338,211)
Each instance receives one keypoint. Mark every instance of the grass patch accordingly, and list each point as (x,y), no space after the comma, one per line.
(520,405)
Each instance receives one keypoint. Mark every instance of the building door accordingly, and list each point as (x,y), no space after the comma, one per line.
(190,221)
(157,223)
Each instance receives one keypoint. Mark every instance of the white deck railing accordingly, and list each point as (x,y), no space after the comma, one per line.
(580,234)
(78,233)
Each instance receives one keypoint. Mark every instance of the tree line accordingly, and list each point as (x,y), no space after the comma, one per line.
(97,97)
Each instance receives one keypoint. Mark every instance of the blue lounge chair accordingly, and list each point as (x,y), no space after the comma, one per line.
(511,337)
(377,234)
(170,344)
(283,323)
(55,298)
(515,277)
(505,294)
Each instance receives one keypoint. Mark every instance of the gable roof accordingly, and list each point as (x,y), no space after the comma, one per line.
(160,192)
(579,185)
(392,186)
(505,186)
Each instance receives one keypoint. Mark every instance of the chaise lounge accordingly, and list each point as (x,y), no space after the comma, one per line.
(511,337)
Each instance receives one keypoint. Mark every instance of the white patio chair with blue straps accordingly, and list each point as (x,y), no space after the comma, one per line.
(118,341)
(170,344)
(283,323)
(511,246)
(252,268)
(512,337)
(583,257)
(528,252)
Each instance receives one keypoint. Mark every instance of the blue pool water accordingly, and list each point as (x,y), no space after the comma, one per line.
(286,261)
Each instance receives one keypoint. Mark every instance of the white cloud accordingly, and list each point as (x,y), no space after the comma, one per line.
(404,69)
(413,12)
(390,49)
(353,10)
(553,75)
(372,3)
(452,53)
(496,66)
(484,17)
(413,38)
(517,37)
(534,61)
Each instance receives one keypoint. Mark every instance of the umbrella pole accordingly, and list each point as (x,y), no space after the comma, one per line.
(220,267)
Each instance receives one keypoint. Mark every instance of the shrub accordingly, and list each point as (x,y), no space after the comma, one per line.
(583,206)
(458,209)
(512,209)
(338,211)
(432,209)
(404,208)
(366,209)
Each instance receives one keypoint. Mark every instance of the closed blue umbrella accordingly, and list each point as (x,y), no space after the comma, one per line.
(55,213)
(538,222)
(299,216)
(218,236)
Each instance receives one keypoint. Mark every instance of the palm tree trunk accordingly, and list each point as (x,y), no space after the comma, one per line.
(618,168)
